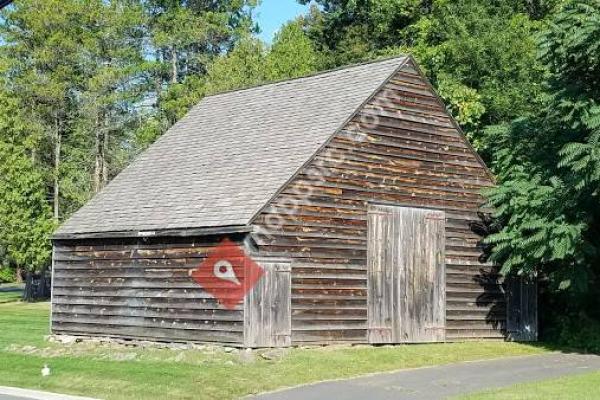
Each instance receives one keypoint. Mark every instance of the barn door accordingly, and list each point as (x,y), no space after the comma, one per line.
(267,307)
(406,275)
(521,307)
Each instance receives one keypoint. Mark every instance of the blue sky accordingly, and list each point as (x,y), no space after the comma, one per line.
(271,14)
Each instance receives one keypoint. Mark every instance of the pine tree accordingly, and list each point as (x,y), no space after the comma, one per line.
(26,221)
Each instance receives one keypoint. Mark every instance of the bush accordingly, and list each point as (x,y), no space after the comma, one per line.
(7,275)
(576,332)
(571,319)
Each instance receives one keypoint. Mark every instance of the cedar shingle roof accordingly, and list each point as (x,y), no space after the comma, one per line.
(230,155)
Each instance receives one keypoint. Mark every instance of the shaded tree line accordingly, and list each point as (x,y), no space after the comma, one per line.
(85,85)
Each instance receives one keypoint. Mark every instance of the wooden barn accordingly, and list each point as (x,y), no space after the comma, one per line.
(353,190)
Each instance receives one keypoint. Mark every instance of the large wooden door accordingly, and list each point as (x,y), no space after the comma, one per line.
(406,275)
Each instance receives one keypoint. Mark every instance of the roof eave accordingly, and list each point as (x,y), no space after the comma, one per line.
(180,232)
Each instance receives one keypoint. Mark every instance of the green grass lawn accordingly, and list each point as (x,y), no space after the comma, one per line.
(578,387)
(9,297)
(120,372)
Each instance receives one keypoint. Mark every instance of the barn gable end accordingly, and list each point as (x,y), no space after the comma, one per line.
(401,148)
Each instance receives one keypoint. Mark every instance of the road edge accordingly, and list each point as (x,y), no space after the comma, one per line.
(38,395)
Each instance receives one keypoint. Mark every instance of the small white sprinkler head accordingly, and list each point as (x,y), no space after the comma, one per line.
(45,370)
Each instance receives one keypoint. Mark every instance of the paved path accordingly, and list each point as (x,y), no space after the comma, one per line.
(417,384)
(8,393)
(442,382)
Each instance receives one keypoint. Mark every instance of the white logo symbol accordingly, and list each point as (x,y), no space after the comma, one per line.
(224,270)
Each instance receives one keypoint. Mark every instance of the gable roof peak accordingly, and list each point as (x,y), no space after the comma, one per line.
(220,164)
(344,68)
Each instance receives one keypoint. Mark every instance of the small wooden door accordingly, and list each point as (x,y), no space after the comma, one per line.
(267,307)
(521,307)
(406,275)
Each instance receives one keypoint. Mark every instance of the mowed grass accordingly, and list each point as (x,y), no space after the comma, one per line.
(120,372)
(9,297)
(578,387)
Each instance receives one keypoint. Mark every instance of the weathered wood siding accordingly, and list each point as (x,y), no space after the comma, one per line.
(267,310)
(406,275)
(402,149)
(140,289)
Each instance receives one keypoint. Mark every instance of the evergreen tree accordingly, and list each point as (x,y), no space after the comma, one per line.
(292,54)
(76,66)
(25,214)
(186,36)
(250,62)
(241,67)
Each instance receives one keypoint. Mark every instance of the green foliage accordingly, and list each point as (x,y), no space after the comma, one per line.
(178,99)
(292,54)
(481,56)
(572,318)
(579,332)
(464,102)
(571,44)
(186,37)
(7,275)
(251,62)
(583,159)
(241,67)
(532,238)
(490,52)
(76,66)
(571,47)
(98,81)
(548,164)
(25,216)
(349,30)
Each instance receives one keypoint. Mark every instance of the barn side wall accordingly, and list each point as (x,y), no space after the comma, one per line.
(402,149)
(139,289)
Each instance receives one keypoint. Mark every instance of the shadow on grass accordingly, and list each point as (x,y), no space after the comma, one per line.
(556,347)
(10,294)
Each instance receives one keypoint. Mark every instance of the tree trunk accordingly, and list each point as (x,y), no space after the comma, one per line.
(57,156)
(105,144)
(19,275)
(158,79)
(174,71)
(98,163)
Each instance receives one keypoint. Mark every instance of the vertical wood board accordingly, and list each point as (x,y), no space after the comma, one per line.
(267,307)
(522,312)
(406,275)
